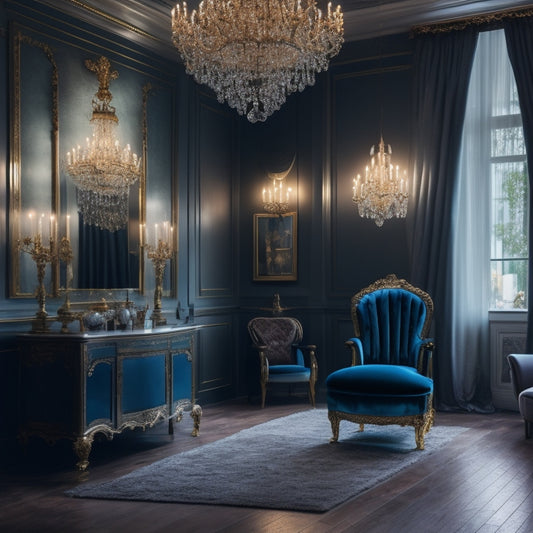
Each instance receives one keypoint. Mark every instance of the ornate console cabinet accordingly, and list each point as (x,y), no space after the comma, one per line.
(77,385)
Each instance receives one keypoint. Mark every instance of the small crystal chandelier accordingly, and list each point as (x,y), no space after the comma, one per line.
(103,171)
(276,198)
(382,193)
(253,54)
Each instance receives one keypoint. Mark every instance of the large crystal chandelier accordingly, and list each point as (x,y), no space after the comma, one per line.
(382,193)
(103,171)
(254,53)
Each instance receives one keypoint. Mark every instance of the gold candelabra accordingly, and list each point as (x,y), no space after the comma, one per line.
(42,255)
(159,255)
(64,313)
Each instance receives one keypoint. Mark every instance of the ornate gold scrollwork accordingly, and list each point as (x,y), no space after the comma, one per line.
(422,423)
(477,20)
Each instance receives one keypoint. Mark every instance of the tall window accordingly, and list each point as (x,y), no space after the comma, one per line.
(493,129)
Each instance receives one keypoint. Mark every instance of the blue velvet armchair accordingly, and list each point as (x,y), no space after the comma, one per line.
(390,379)
(282,358)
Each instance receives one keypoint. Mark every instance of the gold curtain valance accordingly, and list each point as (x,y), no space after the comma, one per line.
(487,19)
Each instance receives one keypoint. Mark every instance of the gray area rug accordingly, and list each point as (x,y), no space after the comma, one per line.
(287,463)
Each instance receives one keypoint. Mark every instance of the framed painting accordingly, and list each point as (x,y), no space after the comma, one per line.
(275,253)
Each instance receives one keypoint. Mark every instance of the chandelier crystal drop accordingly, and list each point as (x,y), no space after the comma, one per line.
(101,170)
(382,193)
(254,54)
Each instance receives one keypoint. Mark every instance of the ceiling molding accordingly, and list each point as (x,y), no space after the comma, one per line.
(147,22)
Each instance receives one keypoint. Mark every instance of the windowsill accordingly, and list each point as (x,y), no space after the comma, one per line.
(508,315)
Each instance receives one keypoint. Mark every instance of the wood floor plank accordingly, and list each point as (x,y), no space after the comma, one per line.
(482,481)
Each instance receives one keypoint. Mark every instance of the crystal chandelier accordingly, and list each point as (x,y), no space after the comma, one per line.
(103,171)
(252,53)
(382,193)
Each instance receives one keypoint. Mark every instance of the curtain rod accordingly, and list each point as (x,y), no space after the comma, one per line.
(476,20)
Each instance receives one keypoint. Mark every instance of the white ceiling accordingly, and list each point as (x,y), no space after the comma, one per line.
(148,21)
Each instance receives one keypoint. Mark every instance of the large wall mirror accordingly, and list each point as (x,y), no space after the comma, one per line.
(52,93)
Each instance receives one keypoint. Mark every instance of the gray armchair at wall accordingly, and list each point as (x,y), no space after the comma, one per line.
(522,378)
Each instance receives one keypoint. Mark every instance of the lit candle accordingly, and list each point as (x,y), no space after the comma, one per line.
(51,229)
(156,235)
(172,238)
(32,228)
(264,195)
(68,227)
(40,226)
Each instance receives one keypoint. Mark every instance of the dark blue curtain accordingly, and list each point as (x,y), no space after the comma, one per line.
(519,37)
(104,258)
(442,63)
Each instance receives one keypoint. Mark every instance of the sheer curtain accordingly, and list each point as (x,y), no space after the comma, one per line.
(470,354)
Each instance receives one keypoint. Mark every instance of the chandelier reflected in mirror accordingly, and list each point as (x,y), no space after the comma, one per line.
(254,54)
(101,170)
(382,192)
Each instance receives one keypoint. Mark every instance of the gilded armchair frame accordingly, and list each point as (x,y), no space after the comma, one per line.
(423,422)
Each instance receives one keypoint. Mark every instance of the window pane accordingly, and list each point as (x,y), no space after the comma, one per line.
(507,142)
(509,211)
(509,284)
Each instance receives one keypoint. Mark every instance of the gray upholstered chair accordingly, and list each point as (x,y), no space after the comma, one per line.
(390,380)
(281,356)
(522,379)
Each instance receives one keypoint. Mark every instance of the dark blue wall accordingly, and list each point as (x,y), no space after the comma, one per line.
(219,167)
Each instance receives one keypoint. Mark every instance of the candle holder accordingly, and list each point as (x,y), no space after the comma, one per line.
(159,255)
(42,255)
(64,313)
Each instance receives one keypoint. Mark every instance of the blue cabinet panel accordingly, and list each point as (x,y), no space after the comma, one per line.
(182,377)
(143,383)
(100,402)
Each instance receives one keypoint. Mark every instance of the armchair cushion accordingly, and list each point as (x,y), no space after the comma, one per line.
(379,390)
(289,374)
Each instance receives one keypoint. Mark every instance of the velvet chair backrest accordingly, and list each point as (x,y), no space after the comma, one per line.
(391,321)
(278,334)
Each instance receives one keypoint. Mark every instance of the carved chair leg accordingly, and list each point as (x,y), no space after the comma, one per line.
(419,436)
(263,393)
(312,394)
(335,423)
(82,447)
(196,415)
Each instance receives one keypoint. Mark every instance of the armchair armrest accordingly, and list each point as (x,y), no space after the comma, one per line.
(425,358)
(521,366)
(309,350)
(356,347)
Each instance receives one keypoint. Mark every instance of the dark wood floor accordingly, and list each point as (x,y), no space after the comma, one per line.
(482,481)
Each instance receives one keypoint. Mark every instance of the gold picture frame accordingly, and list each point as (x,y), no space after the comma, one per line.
(275,247)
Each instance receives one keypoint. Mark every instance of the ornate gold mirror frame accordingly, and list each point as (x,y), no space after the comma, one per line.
(21,282)
(15,170)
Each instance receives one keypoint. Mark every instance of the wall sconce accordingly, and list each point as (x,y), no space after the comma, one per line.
(277,196)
